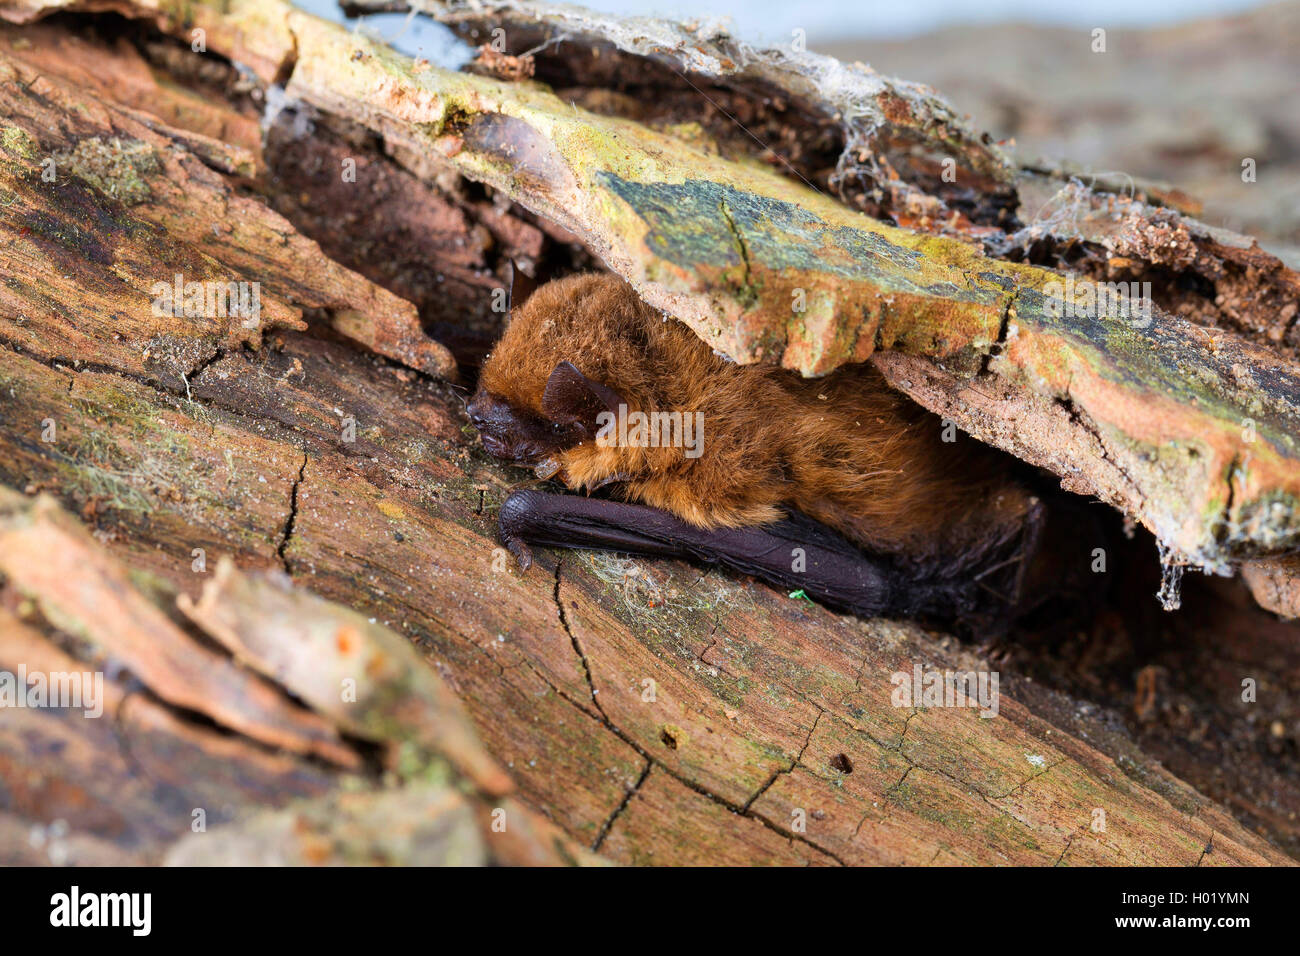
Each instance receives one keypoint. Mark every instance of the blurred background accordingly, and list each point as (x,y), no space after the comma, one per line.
(772,21)
(1185,90)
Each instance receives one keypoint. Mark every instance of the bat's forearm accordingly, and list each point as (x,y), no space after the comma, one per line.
(793,554)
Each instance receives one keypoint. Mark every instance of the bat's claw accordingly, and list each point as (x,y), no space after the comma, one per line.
(523,554)
(516,521)
(607,480)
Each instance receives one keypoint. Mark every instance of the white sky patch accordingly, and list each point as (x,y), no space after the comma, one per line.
(771,22)
(421,37)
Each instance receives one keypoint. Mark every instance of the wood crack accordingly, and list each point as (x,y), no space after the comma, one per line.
(291,519)
(618,810)
(741,810)
(790,769)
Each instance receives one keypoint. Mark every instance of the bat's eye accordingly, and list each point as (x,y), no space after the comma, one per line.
(557,427)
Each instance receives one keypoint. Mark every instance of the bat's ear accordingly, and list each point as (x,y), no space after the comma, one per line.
(574,399)
(521,287)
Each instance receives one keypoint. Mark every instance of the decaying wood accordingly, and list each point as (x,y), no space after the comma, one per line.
(734,251)
(361,680)
(89,598)
(1192,433)
(180,217)
(648,712)
(1275,584)
(1187,127)
(755,699)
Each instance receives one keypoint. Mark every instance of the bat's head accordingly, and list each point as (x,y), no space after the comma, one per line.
(515,434)
(566,349)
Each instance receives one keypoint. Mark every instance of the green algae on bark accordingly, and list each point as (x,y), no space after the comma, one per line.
(118,168)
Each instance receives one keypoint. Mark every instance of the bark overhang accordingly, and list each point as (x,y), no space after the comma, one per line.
(1191,432)
(868,106)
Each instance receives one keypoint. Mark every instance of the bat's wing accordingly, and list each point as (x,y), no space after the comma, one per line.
(794,553)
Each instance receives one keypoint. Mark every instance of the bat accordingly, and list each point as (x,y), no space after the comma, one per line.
(838,486)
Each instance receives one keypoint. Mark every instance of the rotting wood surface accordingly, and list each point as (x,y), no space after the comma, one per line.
(1191,432)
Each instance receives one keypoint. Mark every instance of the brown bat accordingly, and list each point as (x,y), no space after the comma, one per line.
(838,486)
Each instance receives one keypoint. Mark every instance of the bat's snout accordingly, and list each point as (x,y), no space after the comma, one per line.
(507,434)
(478,409)
(492,417)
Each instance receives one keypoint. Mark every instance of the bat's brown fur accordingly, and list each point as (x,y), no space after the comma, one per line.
(845,449)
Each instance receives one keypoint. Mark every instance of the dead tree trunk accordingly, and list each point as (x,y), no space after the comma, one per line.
(645,711)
